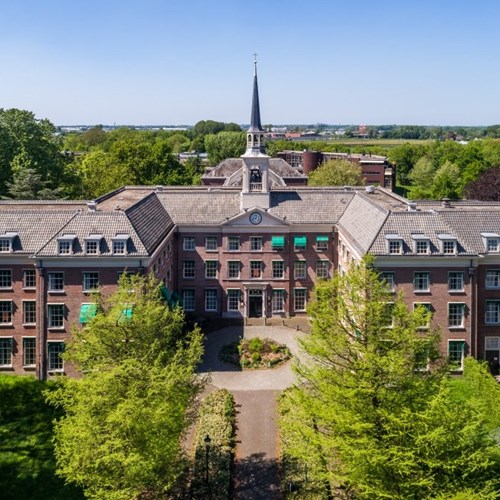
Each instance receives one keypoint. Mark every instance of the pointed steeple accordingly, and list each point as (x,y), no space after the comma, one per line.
(255,125)
(255,133)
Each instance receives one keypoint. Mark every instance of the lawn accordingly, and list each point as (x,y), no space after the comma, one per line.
(27,464)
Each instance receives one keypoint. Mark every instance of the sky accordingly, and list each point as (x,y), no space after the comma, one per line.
(423,62)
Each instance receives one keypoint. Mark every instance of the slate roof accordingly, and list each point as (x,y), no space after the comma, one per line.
(34,227)
(362,221)
(107,224)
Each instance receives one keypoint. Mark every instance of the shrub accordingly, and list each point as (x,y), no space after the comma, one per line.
(255,345)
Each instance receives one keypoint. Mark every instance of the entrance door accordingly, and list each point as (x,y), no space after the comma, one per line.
(492,354)
(255,303)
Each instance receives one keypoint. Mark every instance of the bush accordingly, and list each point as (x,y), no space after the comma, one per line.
(254,345)
(216,420)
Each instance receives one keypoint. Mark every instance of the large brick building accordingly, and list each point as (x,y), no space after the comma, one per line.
(251,242)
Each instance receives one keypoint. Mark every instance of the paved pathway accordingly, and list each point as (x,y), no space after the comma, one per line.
(255,393)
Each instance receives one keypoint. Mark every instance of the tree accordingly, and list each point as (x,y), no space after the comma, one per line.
(422,177)
(120,436)
(446,182)
(486,187)
(384,425)
(224,145)
(337,173)
(405,157)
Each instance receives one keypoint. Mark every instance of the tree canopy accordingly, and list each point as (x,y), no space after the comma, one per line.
(123,421)
(375,404)
(337,173)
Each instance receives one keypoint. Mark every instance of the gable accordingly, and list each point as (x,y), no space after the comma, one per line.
(256,218)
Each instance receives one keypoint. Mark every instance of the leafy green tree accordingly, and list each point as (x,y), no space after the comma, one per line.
(120,436)
(405,157)
(382,424)
(446,182)
(224,145)
(422,177)
(337,173)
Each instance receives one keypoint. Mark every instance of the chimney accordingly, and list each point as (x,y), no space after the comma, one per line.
(92,206)
(370,189)
(445,202)
(412,206)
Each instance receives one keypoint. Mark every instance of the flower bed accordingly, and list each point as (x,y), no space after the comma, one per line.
(255,353)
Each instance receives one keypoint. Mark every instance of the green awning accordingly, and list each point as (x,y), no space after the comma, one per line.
(278,241)
(165,293)
(322,238)
(300,241)
(175,300)
(87,312)
(126,312)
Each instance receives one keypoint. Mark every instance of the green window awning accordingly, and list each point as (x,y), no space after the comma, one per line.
(322,238)
(87,312)
(126,313)
(165,292)
(278,241)
(300,241)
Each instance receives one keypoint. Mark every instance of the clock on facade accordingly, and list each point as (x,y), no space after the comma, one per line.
(255,218)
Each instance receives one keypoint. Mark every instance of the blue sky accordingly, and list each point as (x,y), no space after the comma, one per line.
(423,62)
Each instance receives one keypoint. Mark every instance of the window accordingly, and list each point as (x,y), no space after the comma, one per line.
(5,278)
(455,281)
(188,299)
(90,281)
(119,247)
(492,245)
(188,243)
(210,299)
(492,279)
(211,243)
(64,247)
(456,351)
(188,269)
(5,312)
(299,299)
(395,247)
(5,351)
(255,243)
(428,309)
(456,315)
(29,278)
(449,247)
(492,343)
(278,269)
(278,301)
(422,247)
(255,269)
(54,351)
(323,269)
(211,268)
(29,312)
(233,243)
(233,269)
(299,243)
(421,281)
(5,245)
(56,281)
(55,313)
(388,315)
(233,300)
(92,247)
(492,312)
(388,277)
(299,269)
(278,242)
(29,351)
(322,243)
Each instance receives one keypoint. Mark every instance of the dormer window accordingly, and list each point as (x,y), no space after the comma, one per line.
(394,244)
(491,242)
(7,242)
(120,244)
(93,244)
(448,244)
(65,244)
(422,244)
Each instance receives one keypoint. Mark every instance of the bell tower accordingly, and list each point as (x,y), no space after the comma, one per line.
(255,186)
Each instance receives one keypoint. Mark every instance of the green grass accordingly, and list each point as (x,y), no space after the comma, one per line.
(27,463)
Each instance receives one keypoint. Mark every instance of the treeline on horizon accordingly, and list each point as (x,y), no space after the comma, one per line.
(37,162)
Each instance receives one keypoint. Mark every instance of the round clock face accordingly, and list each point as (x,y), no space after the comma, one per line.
(255,218)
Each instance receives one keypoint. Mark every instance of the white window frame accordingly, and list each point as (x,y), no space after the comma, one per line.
(492,315)
(233,241)
(496,279)
(49,357)
(51,281)
(9,311)
(428,306)
(391,283)
(421,290)
(449,247)
(119,247)
(210,247)
(450,289)
(295,296)
(395,246)
(256,268)
(488,344)
(235,263)
(188,295)
(256,244)
(5,245)
(278,265)
(422,246)
(208,264)
(211,295)
(92,246)
(461,363)
(494,244)
(188,243)
(86,275)
(7,340)
(323,269)
(296,268)
(233,297)
(192,267)
(32,274)
(8,275)
(278,304)
(50,307)
(322,246)
(25,312)
(25,364)
(462,324)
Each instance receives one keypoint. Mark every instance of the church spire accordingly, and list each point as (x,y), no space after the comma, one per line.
(255,134)
(255,125)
